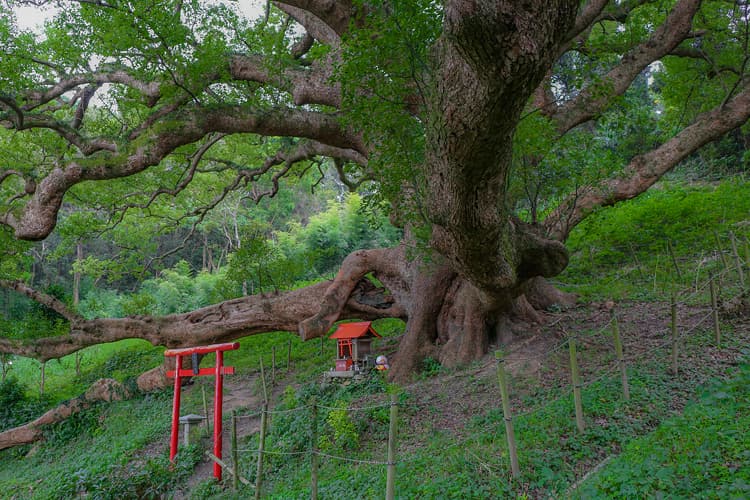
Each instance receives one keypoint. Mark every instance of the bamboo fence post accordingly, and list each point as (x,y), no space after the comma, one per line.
(720,250)
(263,381)
(314,452)
(261,447)
(273,366)
(235,458)
(715,311)
(674,259)
(673,326)
(576,378)
(620,357)
(289,356)
(205,411)
(390,484)
(737,261)
(510,433)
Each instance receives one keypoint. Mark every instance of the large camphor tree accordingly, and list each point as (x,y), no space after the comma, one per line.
(487,126)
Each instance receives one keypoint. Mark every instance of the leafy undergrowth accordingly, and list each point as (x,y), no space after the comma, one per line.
(703,453)
(98,453)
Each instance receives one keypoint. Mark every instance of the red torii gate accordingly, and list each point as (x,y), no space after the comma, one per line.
(218,371)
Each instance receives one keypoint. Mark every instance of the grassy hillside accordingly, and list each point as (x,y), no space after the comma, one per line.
(702,453)
(680,435)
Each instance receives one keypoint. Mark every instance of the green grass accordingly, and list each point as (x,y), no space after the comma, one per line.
(99,451)
(703,453)
(119,360)
(622,252)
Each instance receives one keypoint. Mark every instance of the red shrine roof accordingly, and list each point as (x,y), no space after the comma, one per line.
(354,330)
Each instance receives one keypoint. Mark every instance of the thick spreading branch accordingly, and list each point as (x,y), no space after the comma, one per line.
(151,91)
(594,99)
(42,298)
(224,322)
(352,271)
(315,26)
(191,124)
(335,14)
(311,85)
(644,170)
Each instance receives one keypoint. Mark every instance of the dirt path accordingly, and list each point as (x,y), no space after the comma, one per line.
(240,393)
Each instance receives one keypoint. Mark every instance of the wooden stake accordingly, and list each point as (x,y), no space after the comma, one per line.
(263,381)
(226,467)
(715,311)
(314,452)
(737,261)
(674,259)
(510,433)
(77,297)
(620,357)
(673,325)
(235,458)
(575,376)
(261,447)
(390,484)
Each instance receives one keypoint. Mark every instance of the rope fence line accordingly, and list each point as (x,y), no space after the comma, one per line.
(249,416)
(353,460)
(617,363)
(272,452)
(289,410)
(509,357)
(356,408)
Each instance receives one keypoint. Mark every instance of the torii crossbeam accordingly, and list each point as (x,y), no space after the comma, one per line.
(218,371)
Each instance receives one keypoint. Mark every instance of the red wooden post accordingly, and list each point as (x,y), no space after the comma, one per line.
(218,371)
(218,406)
(175,409)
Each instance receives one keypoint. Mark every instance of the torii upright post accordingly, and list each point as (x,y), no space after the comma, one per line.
(218,371)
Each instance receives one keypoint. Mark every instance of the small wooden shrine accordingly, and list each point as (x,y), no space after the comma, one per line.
(353,347)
